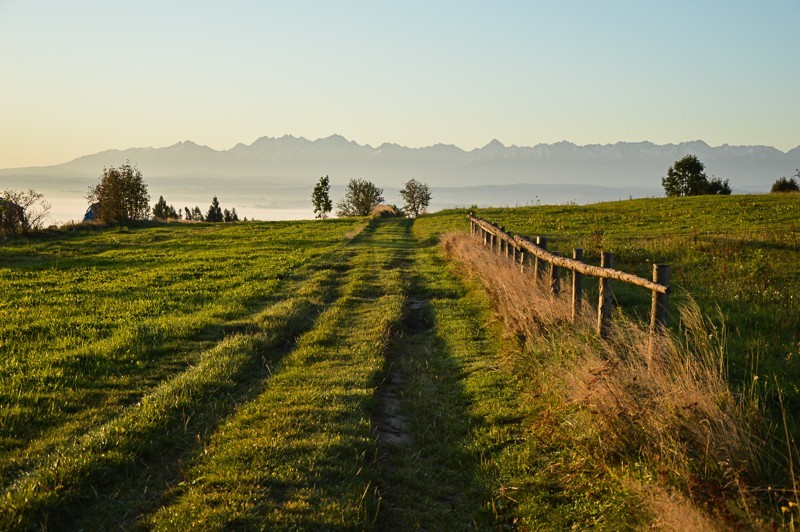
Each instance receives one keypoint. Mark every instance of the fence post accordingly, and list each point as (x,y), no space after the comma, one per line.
(538,265)
(605,304)
(658,308)
(577,286)
(522,256)
(555,281)
(502,243)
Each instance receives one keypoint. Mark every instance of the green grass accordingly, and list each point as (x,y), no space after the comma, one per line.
(244,375)
(737,256)
(738,253)
(56,393)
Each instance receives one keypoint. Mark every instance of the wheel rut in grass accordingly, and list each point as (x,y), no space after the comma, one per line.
(300,454)
(150,443)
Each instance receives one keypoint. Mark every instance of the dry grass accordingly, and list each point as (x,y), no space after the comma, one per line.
(671,417)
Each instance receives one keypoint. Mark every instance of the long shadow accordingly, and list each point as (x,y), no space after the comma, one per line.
(154,355)
(429,477)
(134,477)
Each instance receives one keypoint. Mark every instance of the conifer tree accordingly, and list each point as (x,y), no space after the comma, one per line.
(214,212)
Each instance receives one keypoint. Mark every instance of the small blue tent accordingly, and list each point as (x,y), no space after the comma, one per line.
(91,212)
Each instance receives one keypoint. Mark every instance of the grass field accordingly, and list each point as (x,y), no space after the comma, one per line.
(344,373)
(738,253)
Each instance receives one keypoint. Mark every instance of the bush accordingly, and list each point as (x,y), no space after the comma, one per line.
(786,185)
(385,211)
(120,195)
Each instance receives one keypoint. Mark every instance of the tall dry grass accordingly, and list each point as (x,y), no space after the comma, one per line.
(673,412)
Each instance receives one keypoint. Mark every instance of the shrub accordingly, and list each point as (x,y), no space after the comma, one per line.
(120,195)
(786,185)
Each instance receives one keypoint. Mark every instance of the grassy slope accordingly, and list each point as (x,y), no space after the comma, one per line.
(64,403)
(252,365)
(736,256)
(736,252)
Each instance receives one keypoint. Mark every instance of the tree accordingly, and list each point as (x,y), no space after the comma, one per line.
(417,196)
(321,198)
(197,214)
(360,198)
(120,195)
(214,212)
(162,211)
(786,185)
(685,178)
(234,216)
(187,214)
(226,216)
(22,211)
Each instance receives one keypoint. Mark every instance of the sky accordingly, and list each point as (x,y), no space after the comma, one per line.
(84,76)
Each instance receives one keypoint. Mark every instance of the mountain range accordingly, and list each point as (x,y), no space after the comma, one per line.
(272,178)
(290,160)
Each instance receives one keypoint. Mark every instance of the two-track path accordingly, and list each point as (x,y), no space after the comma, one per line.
(370,397)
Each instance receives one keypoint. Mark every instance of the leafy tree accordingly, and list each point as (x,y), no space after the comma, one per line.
(417,196)
(214,212)
(187,214)
(786,185)
(120,195)
(687,178)
(360,198)
(197,214)
(234,216)
(22,211)
(226,216)
(321,198)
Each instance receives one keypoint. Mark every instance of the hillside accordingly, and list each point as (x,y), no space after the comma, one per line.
(358,374)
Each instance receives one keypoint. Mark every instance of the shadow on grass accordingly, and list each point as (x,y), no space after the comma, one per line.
(429,475)
(115,488)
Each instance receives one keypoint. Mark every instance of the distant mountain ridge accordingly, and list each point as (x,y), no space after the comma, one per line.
(290,160)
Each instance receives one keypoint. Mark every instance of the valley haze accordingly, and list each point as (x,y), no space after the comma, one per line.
(272,178)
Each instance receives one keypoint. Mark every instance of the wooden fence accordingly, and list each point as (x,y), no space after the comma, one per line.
(546,265)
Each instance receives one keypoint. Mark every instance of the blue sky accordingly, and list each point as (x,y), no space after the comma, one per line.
(84,76)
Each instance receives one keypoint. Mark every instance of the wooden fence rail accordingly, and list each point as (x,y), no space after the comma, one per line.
(517,247)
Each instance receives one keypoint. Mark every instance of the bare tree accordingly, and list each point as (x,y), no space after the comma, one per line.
(22,211)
